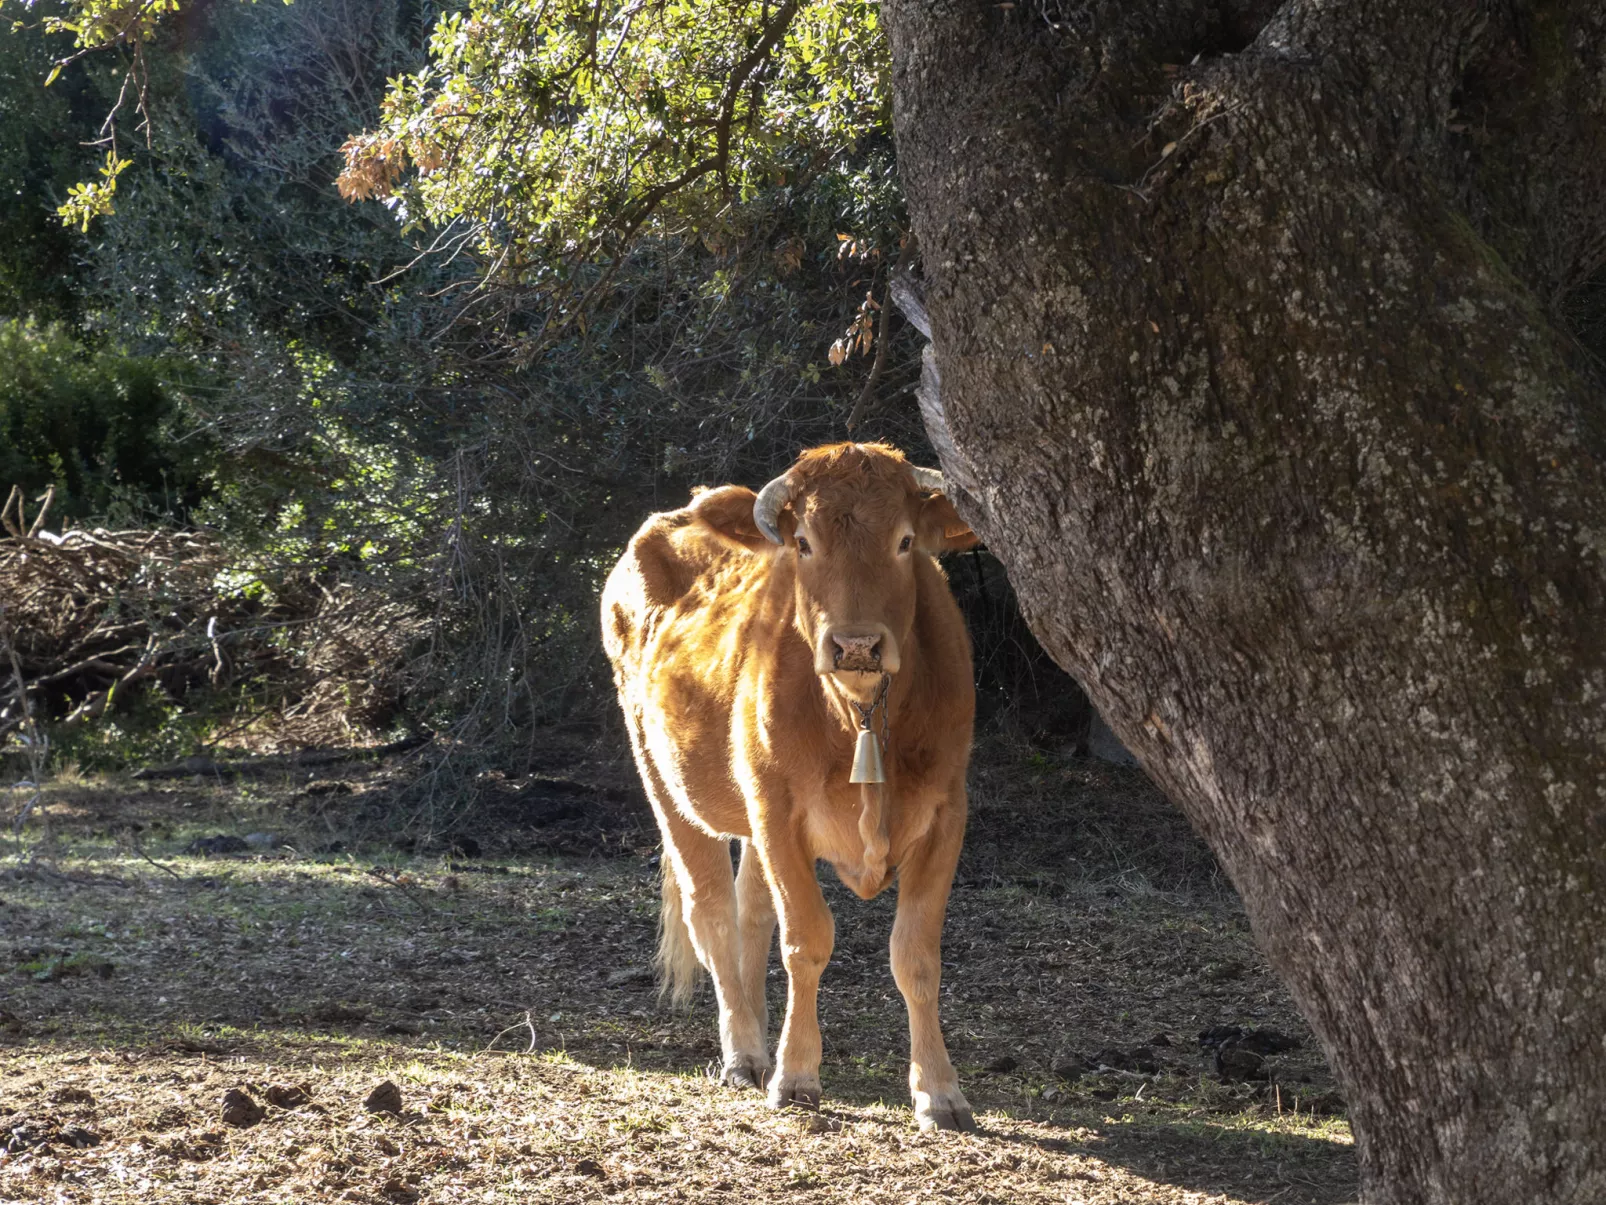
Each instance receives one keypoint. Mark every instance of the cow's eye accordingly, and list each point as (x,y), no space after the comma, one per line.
(803,548)
(906,543)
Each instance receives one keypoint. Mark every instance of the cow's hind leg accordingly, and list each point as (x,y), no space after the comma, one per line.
(707,890)
(924,880)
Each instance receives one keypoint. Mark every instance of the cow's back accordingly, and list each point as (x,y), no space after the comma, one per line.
(677,585)
(657,570)
(679,614)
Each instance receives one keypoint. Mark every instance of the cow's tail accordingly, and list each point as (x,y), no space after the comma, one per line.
(679,972)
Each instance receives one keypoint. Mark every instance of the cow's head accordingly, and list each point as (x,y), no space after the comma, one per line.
(853,518)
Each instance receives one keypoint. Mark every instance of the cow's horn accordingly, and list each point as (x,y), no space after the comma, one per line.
(927,479)
(767,507)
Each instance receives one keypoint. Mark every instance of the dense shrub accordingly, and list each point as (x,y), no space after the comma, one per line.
(95,424)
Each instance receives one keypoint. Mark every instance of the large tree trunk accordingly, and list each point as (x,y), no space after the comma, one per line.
(1253,330)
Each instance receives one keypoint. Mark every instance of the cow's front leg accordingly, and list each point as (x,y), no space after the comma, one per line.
(807,933)
(755,913)
(924,879)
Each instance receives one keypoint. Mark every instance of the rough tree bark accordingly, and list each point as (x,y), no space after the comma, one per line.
(1256,328)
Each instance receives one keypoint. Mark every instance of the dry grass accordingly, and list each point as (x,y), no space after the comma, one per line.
(336,972)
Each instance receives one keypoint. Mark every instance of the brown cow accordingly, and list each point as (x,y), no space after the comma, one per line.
(754,637)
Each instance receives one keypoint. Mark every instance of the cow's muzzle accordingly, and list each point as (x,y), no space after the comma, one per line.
(864,650)
(857,653)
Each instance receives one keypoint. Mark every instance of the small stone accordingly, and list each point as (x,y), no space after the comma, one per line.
(1003,1063)
(19,1135)
(1068,1067)
(78,1138)
(1109,1059)
(288,1096)
(169,1117)
(1267,1041)
(1142,1059)
(1234,1063)
(223,843)
(1216,1035)
(400,1191)
(385,1098)
(240,1110)
(1327,1102)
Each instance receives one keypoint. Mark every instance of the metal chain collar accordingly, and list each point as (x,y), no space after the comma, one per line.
(867,711)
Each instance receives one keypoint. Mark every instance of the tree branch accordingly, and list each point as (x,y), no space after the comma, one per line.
(752,62)
(880,362)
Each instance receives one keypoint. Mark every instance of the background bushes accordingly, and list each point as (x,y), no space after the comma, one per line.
(344,411)
(96,424)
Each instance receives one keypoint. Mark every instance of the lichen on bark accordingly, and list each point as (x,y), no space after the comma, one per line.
(1259,389)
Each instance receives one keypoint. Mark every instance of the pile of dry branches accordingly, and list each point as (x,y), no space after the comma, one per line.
(86,615)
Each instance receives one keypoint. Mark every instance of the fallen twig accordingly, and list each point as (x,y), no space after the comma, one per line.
(527,1022)
(97,615)
(392,879)
(133,839)
(13,503)
(33,868)
(279,763)
(39,515)
(32,739)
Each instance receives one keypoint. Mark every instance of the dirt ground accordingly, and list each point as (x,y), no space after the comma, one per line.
(500,982)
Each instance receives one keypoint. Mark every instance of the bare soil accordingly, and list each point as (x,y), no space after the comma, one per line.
(507,996)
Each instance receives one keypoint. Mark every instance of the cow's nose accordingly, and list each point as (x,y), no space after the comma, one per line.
(856,652)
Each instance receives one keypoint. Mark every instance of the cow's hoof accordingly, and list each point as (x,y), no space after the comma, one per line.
(944,1111)
(787,1092)
(745,1071)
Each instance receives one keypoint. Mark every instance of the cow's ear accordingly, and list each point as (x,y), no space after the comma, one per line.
(728,512)
(941,528)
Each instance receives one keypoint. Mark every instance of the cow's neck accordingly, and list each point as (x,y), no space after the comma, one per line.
(871,875)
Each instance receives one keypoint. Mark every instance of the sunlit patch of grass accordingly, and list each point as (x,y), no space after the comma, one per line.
(1324,1127)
